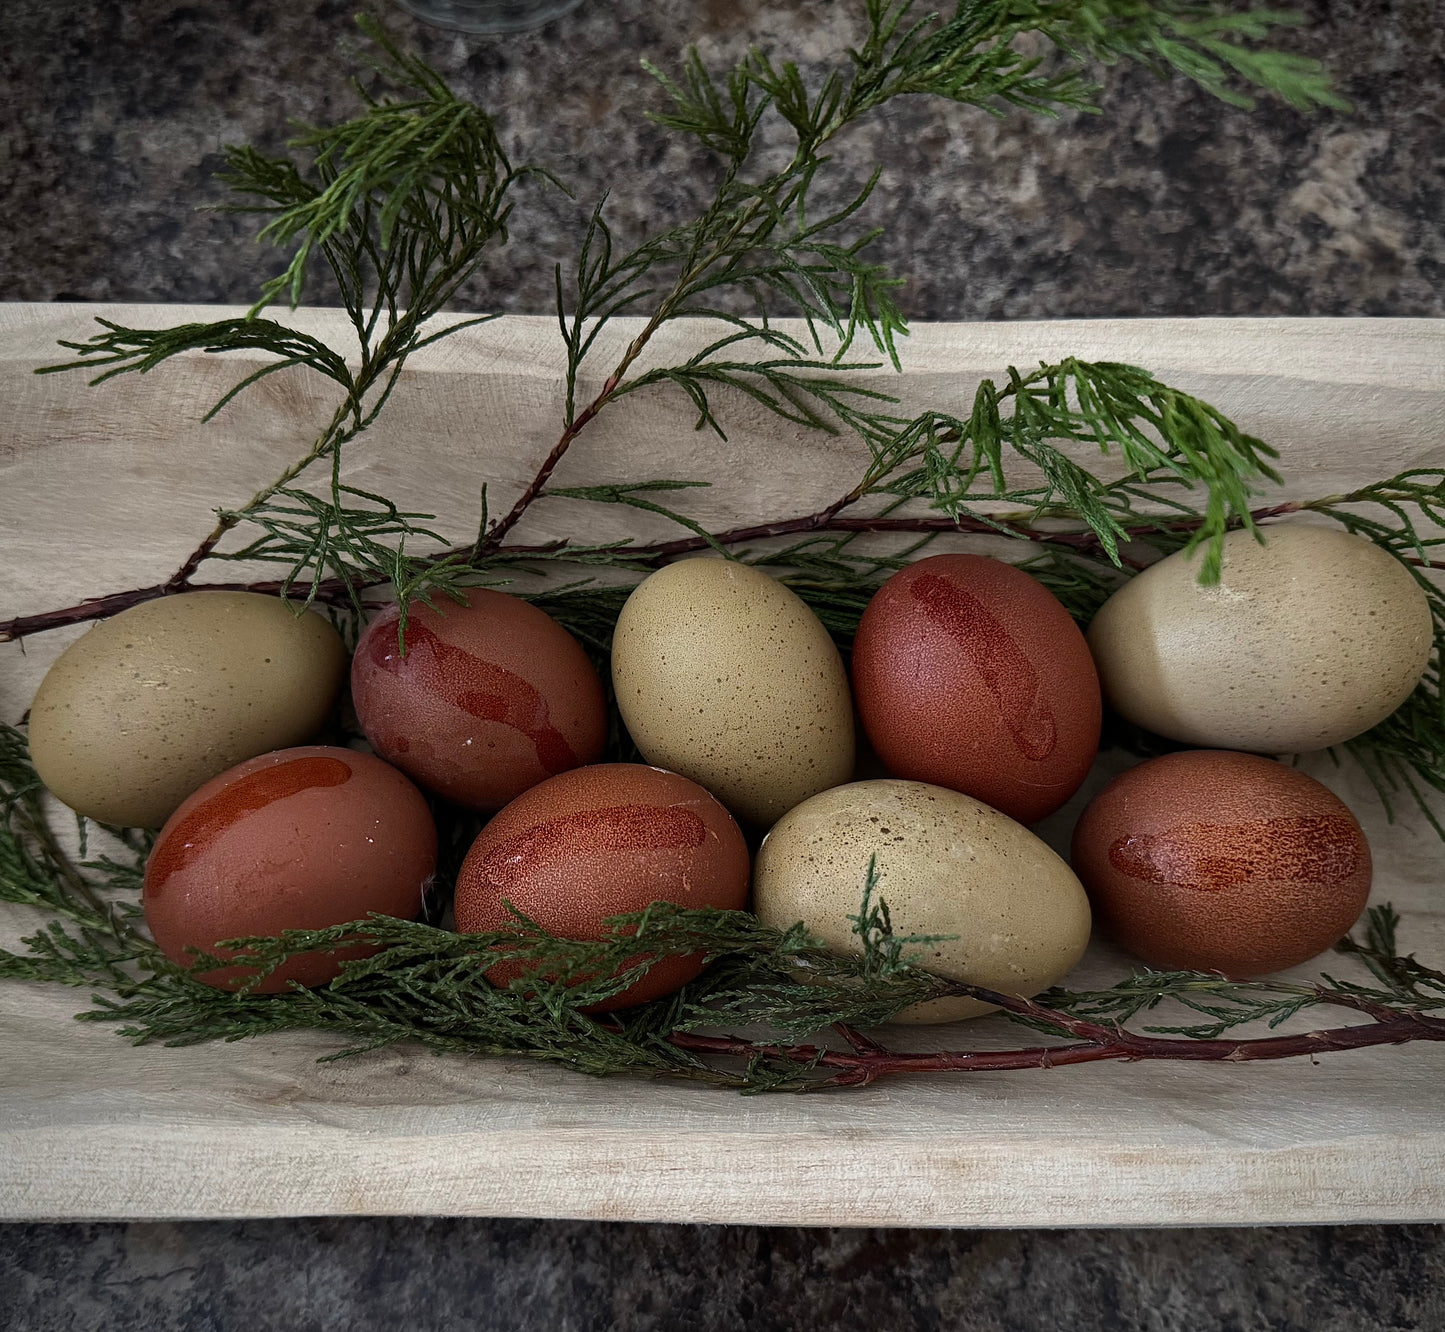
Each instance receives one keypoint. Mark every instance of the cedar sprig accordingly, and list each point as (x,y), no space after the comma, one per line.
(404,201)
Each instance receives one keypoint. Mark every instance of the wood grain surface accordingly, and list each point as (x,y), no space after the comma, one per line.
(104,489)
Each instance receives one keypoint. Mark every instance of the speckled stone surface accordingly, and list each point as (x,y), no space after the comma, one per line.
(517,1276)
(112,116)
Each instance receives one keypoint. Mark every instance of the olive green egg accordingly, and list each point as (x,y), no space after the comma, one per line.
(152,703)
(1306,641)
(1013,916)
(726,676)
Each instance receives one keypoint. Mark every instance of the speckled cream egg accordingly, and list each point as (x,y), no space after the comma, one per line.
(970,674)
(488,698)
(947,865)
(302,839)
(1215,861)
(725,675)
(599,842)
(149,704)
(1306,641)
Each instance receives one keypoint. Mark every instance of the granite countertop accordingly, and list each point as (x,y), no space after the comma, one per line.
(112,117)
(1170,203)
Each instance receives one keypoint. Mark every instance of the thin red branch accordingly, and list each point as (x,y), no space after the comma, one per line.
(492,541)
(861,1044)
(826,521)
(180,581)
(331,592)
(868,1061)
(335,591)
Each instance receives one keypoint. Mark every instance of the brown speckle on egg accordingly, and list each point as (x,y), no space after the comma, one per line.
(1309,638)
(725,675)
(1217,861)
(146,706)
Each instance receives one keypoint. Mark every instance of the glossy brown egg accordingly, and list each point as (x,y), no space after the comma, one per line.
(489,699)
(599,842)
(1210,860)
(970,674)
(298,839)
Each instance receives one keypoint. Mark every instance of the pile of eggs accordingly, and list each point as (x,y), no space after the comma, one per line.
(978,696)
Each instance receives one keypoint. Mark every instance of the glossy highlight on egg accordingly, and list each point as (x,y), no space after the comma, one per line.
(483,701)
(970,674)
(1210,860)
(598,842)
(302,838)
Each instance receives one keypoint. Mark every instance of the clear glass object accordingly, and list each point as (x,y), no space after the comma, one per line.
(488,15)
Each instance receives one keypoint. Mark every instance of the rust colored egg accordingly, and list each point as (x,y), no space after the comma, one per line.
(970,674)
(1210,860)
(599,842)
(489,699)
(299,839)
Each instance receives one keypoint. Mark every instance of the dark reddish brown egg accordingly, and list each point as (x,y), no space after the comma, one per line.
(489,699)
(1214,861)
(299,839)
(599,842)
(970,674)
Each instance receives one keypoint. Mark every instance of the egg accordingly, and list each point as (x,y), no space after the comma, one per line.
(149,704)
(947,864)
(1306,641)
(1215,861)
(970,674)
(599,842)
(487,699)
(725,675)
(300,839)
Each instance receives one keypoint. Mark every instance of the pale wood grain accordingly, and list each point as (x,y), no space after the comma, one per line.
(105,489)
